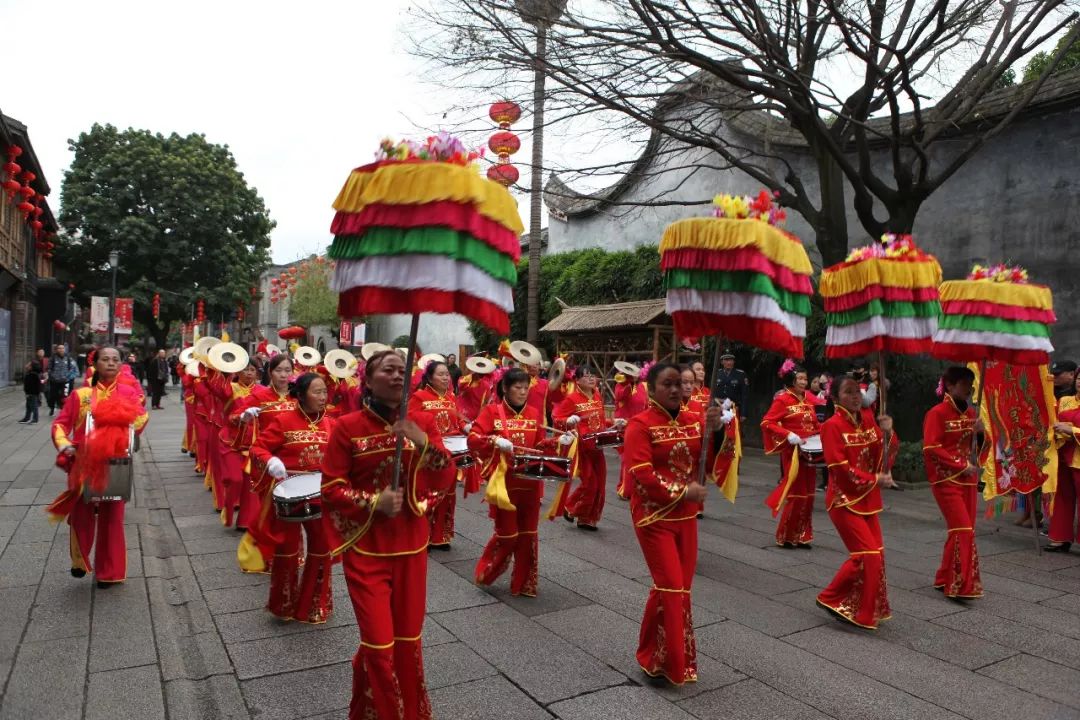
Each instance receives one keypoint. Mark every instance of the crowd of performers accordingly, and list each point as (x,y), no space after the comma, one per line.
(258,428)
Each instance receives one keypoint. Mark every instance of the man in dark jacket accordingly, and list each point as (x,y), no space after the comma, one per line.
(157,377)
(61,370)
(32,388)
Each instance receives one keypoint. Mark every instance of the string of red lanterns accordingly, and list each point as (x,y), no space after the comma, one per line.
(156,306)
(504,143)
(17,184)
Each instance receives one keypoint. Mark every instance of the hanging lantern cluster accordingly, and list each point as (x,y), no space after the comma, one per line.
(155,306)
(200,312)
(12,169)
(45,244)
(284,285)
(240,313)
(17,184)
(504,143)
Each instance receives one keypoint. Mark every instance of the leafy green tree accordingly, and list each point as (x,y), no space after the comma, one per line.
(183,218)
(580,277)
(1040,61)
(312,302)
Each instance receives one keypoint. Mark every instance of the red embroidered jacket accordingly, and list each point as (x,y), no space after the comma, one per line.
(270,404)
(590,410)
(631,397)
(525,430)
(474,392)
(661,454)
(359,465)
(442,409)
(788,414)
(853,447)
(69,427)
(947,436)
(296,439)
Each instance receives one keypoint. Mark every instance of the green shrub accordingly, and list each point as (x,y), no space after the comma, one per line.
(909,463)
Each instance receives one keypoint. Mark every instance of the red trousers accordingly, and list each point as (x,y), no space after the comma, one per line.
(202,464)
(188,443)
(514,539)
(389,596)
(796,525)
(232,482)
(310,599)
(958,575)
(250,501)
(104,522)
(859,592)
(442,519)
(586,503)
(1066,504)
(623,488)
(666,645)
(217,471)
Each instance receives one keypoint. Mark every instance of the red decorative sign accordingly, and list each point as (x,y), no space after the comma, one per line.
(1017,404)
(125,310)
(345,336)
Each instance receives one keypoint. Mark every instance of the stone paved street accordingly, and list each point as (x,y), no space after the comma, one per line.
(186,635)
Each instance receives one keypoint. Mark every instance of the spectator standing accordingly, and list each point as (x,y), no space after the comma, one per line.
(32,388)
(61,369)
(157,379)
(174,367)
(455,371)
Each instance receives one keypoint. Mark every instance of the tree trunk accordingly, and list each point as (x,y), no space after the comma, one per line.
(831,229)
(537,187)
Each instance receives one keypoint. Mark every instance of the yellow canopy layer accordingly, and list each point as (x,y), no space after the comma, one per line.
(706,233)
(1029,296)
(859,275)
(427,182)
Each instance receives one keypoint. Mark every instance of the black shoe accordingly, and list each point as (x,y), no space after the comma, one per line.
(586,526)
(24,422)
(32,422)
(1062,547)
(102,585)
(567,517)
(50,412)
(78,573)
(701,516)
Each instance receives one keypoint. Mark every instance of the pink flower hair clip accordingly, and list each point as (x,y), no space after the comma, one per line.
(787,367)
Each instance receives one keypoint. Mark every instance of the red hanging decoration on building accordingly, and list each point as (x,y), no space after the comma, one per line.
(12,169)
(504,143)
(156,306)
(240,314)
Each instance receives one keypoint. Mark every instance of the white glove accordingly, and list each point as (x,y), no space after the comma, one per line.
(727,416)
(504,445)
(566,439)
(794,439)
(276,468)
(468,428)
(572,421)
(619,423)
(250,414)
(726,405)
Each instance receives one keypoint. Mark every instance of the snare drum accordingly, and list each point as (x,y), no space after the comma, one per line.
(542,467)
(811,452)
(612,437)
(298,498)
(458,445)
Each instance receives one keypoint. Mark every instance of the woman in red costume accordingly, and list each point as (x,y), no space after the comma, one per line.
(631,397)
(204,430)
(476,389)
(785,427)
(854,448)
(435,397)
(293,444)
(258,410)
(662,451)
(948,431)
(503,428)
(582,411)
(699,400)
(383,534)
(190,442)
(115,407)
(1067,503)
(235,439)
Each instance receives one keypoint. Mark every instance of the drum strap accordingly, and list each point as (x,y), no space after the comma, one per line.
(496,493)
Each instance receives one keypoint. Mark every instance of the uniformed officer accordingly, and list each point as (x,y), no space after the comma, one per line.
(731,383)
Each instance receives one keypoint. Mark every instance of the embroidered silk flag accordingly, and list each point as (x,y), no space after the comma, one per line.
(1018,411)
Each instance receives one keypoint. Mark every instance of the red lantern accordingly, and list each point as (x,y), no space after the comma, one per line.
(504,143)
(12,168)
(253,290)
(59,325)
(25,208)
(156,306)
(36,226)
(505,113)
(504,174)
(11,187)
(292,270)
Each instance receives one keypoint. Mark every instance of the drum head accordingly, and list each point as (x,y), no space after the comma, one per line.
(456,443)
(299,486)
(812,444)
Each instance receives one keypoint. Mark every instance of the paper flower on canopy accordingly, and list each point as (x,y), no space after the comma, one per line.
(884,297)
(996,314)
(420,230)
(729,275)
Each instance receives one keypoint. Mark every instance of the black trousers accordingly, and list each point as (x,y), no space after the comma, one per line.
(157,389)
(57,393)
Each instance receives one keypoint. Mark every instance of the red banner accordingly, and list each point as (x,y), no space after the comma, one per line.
(345,336)
(125,309)
(1018,411)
